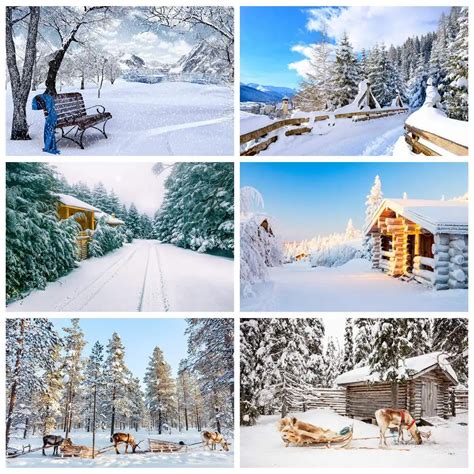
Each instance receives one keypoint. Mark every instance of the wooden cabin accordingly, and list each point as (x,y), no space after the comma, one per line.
(424,240)
(425,392)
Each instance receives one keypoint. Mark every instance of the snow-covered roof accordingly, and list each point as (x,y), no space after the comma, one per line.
(436,216)
(71,201)
(412,368)
(110,219)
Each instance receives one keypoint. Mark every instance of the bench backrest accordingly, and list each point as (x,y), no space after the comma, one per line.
(69,106)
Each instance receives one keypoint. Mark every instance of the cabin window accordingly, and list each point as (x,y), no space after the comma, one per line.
(426,245)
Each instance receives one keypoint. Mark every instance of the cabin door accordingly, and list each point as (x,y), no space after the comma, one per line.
(429,398)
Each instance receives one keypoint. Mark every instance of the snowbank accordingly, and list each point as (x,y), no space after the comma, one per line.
(435,121)
(168,118)
(261,446)
(250,122)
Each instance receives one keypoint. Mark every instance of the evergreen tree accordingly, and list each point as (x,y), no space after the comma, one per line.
(372,203)
(198,209)
(28,344)
(81,191)
(114,203)
(72,366)
(348,363)
(380,75)
(160,390)
(363,340)
(146,227)
(333,365)
(133,221)
(416,88)
(345,75)
(100,198)
(115,379)
(39,248)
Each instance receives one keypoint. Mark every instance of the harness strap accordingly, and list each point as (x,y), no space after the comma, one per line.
(411,424)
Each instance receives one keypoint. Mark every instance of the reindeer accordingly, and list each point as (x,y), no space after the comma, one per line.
(399,419)
(126,438)
(53,441)
(212,438)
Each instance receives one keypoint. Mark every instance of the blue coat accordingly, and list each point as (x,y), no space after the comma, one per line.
(46,101)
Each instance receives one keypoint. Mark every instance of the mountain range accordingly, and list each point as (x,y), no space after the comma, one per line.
(252,92)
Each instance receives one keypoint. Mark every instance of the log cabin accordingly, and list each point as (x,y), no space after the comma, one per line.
(425,391)
(424,240)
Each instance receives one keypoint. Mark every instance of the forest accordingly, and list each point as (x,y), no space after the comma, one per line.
(405,69)
(40,248)
(284,360)
(53,385)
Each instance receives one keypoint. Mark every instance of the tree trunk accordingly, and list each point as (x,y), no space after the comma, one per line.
(82,81)
(112,422)
(14,388)
(21,82)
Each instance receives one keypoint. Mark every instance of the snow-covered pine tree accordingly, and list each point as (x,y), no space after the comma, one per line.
(418,333)
(29,344)
(49,398)
(416,87)
(372,203)
(146,227)
(93,386)
(253,368)
(184,395)
(314,330)
(160,392)
(136,408)
(211,360)
(348,363)
(346,74)
(114,203)
(333,363)
(450,335)
(100,197)
(72,367)
(363,340)
(39,248)
(133,221)
(437,68)
(198,209)
(380,75)
(115,372)
(82,191)
(457,70)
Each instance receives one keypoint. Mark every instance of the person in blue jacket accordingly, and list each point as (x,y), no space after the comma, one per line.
(46,102)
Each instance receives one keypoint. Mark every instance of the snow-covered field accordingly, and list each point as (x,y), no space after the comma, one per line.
(195,456)
(169,118)
(142,276)
(371,138)
(350,287)
(261,446)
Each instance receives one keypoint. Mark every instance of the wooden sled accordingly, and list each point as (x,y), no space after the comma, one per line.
(75,451)
(160,446)
(322,442)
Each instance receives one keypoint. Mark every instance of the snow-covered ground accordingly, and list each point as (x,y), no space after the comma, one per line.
(371,138)
(350,287)
(143,276)
(195,456)
(261,446)
(169,118)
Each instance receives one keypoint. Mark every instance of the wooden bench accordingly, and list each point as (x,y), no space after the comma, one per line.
(73,119)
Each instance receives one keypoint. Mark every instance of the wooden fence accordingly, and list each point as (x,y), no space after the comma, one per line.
(82,241)
(413,136)
(264,131)
(334,398)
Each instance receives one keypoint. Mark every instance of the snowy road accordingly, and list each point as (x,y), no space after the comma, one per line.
(350,287)
(143,276)
(372,138)
(261,445)
(169,118)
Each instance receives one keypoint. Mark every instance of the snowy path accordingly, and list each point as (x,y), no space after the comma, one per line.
(169,118)
(350,287)
(194,457)
(143,276)
(372,138)
(261,446)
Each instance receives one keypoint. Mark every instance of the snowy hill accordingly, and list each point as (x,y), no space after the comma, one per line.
(203,59)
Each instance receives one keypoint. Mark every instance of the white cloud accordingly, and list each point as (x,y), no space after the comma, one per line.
(367,26)
(303,66)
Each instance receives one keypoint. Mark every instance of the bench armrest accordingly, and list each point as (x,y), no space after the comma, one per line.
(99,108)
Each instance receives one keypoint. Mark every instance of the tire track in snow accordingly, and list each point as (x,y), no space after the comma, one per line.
(145,278)
(94,287)
(166,303)
(383,145)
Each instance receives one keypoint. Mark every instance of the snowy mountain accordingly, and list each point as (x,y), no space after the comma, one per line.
(268,94)
(132,61)
(203,59)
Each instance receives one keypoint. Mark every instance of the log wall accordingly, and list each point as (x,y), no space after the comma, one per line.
(334,398)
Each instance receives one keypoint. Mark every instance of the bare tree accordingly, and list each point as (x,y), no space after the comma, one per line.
(21,81)
(67,22)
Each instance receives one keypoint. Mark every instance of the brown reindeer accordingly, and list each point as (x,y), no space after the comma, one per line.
(53,441)
(126,438)
(399,419)
(212,438)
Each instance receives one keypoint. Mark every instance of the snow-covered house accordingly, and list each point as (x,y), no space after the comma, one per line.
(426,240)
(424,388)
(87,217)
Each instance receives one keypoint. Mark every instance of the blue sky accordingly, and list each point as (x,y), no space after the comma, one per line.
(139,336)
(310,199)
(275,40)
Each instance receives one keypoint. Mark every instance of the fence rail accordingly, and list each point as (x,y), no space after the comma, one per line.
(413,136)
